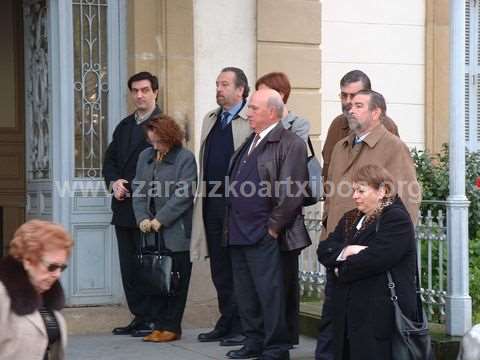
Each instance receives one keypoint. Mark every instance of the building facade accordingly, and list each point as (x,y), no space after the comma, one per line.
(65,66)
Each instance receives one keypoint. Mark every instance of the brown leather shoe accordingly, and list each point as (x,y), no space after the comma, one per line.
(161,336)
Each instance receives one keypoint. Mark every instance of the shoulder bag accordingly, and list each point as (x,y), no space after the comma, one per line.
(315,180)
(411,340)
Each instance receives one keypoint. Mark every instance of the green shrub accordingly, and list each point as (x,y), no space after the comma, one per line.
(433,175)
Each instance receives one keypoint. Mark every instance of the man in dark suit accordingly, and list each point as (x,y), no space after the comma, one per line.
(264,217)
(119,170)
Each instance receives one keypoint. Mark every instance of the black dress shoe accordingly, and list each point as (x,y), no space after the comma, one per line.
(233,340)
(243,353)
(143,329)
(214,335)
(126,330)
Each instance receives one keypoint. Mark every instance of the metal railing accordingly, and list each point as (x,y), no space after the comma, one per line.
(431,235)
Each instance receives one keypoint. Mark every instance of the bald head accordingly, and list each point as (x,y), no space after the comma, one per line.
(264,109)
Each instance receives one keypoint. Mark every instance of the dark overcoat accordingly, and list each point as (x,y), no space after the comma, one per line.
(363,311)
(120,162)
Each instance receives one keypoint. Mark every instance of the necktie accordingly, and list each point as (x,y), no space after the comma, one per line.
(254,143)
(356,141)
(224,120)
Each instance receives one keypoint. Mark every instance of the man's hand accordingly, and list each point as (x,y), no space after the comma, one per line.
(273,233)
(352,250)
(119,189)
(145,225)
(155,225)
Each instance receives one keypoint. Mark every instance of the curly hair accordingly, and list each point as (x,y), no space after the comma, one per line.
(166,129)
(35,237)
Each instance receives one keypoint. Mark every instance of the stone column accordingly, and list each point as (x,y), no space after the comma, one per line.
(459,303)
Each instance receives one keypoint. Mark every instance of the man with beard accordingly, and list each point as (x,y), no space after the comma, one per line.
(351,83)
(368,143)
(223,130)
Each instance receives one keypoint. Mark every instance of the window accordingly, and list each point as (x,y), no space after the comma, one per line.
(90,86)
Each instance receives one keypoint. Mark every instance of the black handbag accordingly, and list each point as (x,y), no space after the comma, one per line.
(411,340)
(156,272)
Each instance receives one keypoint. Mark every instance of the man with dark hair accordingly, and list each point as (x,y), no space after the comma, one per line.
(260,224)
(223,130)
(119,169)
(351,83)
(369,142)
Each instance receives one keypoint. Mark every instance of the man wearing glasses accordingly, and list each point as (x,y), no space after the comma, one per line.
(351,83)
(119,169)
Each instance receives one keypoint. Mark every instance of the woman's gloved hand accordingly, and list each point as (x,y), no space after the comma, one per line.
(145,225)
(155,225)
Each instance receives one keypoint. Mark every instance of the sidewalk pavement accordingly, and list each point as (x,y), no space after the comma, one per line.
(107,346)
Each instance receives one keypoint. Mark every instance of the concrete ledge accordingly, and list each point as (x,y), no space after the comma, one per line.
(445,347)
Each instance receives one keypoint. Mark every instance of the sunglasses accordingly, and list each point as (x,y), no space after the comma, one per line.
(52,267)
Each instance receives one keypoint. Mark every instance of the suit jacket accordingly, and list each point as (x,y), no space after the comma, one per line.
(361,299)
(120,163)
(23,335)
(240,130)
(382,148)
(175,177)
(338,130)
(280,161)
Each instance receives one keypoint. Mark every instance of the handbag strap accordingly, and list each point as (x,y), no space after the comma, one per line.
(159,242)
(310,145)
(391,283)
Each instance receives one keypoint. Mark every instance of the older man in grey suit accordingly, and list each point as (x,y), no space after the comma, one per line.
(224,129)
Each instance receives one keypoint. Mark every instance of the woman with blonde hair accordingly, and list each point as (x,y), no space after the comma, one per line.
(31,295)
(375,238)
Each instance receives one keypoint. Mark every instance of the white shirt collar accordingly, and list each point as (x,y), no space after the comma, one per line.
(262,135)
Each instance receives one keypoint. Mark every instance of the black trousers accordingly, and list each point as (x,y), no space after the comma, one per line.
(167,311)
(221,265)
(128,240)
(292,292)
(259,288)
(325,347)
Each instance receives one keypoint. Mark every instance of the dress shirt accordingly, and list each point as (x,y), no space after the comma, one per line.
(232,112)
(262,136)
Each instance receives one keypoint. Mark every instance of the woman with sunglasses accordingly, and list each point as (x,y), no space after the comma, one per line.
(31,326)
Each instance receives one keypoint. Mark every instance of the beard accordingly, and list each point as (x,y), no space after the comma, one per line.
(354,124)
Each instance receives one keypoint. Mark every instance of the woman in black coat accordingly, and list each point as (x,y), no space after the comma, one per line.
(376,237)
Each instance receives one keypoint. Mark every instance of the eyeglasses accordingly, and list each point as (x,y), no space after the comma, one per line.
(52,267)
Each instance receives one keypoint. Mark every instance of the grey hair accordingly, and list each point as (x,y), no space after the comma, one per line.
(376,101)
(276,102)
